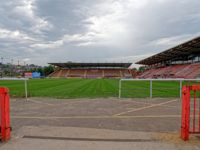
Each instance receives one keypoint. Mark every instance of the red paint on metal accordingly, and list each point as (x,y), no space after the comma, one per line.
(199,112)
(196,132)
(194,112)
(185,120)
(5,114)
(194,87)
(185,113)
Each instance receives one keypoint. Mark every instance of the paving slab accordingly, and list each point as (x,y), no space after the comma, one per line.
(71,138)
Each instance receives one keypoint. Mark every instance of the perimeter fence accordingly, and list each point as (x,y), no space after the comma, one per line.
(152,88)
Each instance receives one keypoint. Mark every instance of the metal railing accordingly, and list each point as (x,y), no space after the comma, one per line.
(19,79)
(190,120)
(154,80)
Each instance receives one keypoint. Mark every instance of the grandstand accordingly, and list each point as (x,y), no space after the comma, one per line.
(92,70)
(182,61)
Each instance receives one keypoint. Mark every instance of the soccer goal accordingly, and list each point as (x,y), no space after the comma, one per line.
(143,88)
(16,86)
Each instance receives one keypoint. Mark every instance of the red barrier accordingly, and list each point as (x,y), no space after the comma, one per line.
(189,116)
(4,114)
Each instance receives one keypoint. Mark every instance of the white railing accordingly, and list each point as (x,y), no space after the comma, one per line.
(151,84)
(19,79)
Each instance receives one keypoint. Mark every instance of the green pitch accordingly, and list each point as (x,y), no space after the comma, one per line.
(90,88)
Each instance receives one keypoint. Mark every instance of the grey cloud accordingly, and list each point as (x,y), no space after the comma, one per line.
(42,31)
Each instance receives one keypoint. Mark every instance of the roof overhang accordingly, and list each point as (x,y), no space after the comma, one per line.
(187,48)
(91,65)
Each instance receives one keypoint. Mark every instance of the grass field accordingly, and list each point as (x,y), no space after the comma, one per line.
(90,88)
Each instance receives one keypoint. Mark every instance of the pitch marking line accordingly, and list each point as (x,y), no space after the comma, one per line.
(142,108)
(61,104)
(74,102)
(94,117)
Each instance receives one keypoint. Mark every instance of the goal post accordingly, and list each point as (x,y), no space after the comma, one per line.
(153,87)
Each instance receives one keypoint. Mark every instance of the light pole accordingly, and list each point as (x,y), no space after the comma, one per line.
(11,67)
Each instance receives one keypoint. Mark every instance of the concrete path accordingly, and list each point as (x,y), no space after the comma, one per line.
(70,138)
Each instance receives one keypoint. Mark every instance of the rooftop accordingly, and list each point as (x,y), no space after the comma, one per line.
(91,65)
(184,49)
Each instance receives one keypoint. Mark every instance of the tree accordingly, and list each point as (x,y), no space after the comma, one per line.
(40,70)
(48,70)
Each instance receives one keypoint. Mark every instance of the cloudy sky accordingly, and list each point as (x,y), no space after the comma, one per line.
(42,31)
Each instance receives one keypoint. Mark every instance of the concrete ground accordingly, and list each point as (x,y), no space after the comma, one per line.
(97,124)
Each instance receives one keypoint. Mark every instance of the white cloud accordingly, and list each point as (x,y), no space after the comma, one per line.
(77,37)
(104,28)
(86,44)
(26,60)
(108,23)
(25,9)
(48,45)
(128,58)
(174,40)
(16,35)
(121,30)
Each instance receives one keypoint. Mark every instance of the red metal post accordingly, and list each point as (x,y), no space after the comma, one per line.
(199,111)
(185,120)
(5,114)
(185,113)
(194,112)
